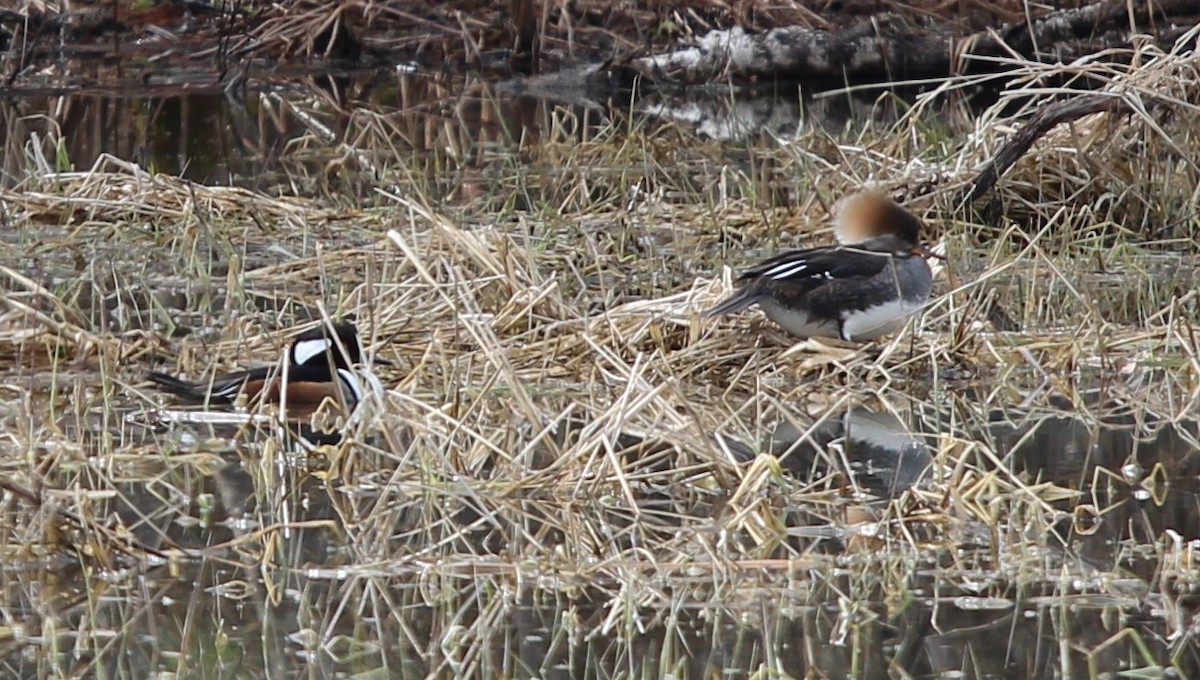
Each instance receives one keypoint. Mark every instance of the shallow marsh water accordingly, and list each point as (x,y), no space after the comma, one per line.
(943,526)
(312,598)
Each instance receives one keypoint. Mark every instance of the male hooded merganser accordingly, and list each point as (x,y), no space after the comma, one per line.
(321,366)
(861,289)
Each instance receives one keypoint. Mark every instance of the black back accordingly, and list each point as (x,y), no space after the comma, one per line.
(817,266)
(314,356)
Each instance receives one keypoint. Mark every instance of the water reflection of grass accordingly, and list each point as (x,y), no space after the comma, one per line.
(545,486)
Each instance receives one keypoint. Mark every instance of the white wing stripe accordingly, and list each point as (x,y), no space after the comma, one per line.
(786,270)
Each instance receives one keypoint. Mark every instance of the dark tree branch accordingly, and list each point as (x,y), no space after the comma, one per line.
(1045,120)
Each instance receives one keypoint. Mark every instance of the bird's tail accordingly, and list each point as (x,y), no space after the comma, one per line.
(177,387)
(735,303)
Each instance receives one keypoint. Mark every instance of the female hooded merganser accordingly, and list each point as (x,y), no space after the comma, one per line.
(321,366)
(861,289)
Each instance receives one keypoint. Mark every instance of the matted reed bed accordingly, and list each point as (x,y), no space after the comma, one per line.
(561,420)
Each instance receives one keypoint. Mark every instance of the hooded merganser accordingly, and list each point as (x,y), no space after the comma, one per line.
(321,366)
(861,289)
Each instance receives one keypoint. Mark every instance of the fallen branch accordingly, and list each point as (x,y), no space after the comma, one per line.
(890,49)
(1045,120)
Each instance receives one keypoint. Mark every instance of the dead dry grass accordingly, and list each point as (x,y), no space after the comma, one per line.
(554,412)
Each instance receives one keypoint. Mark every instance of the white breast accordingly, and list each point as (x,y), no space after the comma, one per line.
(367,390)
(872,322)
